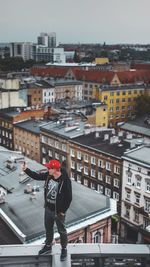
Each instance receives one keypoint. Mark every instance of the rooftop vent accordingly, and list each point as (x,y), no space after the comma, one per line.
(10,164)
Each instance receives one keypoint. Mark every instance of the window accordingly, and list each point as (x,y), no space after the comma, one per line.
(100,176)
(148,185)
(146,222)
(138,181)
(136,216)
(86,170)
(43,150)
(111,101)
(108,166)
(116,169)
(78,154)
(111,93)
(116,183)
(64,147)
(79,167)
(111,109)
(72,164)
(56,156)
(93,160)
(50,153)
(147,204)
(97,237)
(93,172)
(129,175)
(72,153)
(86,157)
(100,188)
(117,100)
(100,163)
(127,212)
(108,192)
(128,194)
(137,199)
(108,179)
(116,195)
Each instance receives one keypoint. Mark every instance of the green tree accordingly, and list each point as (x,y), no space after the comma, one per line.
(143,104)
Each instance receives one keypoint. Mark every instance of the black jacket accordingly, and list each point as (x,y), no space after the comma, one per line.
(64,195)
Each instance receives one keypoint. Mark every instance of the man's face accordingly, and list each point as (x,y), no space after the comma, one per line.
(52,172)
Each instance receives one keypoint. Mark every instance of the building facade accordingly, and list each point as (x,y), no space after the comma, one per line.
(135,215)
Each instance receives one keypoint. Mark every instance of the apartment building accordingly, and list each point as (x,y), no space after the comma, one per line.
(40,93)
(135,214)
(121,101)
(22,49)
(8,118)
(27,138)
(92,156)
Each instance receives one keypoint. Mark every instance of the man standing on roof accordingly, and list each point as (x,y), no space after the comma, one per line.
(58,196)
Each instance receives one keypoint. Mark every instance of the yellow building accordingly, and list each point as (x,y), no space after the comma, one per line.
(101,60)
(100,116)
(121,101)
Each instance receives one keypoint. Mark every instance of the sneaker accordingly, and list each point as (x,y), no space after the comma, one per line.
(63,255)
(46,249)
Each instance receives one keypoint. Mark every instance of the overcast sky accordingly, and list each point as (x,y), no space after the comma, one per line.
(110,21)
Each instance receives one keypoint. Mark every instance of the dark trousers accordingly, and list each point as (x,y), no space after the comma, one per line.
(50,218)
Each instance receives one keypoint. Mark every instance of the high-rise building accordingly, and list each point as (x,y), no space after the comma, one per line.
(47,39)
(21,49)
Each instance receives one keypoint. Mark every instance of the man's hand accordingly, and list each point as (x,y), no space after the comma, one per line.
(24,166)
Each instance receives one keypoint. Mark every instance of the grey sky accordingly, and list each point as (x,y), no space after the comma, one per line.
(112,21)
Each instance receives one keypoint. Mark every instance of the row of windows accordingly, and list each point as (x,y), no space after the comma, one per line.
(93,160)
(118,108)
(6,134)
(138,183)
(97,187)
(53,143)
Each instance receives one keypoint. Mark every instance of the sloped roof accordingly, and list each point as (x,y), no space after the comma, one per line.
(49,71)
(96,76)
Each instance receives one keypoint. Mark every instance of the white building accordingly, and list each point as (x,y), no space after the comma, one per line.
(48,95)
(21,49)
(59,55)
(135,214)
(47,39)
(12,94)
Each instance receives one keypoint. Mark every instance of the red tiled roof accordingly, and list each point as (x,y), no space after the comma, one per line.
(140,66)
(97,76)
(127,77)
(58,72)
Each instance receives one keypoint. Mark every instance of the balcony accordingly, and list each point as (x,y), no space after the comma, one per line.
(81,255)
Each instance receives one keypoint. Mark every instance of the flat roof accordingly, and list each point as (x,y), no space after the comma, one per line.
(31,125)
(98,143)
(137,126)
(22,211)
(141,154)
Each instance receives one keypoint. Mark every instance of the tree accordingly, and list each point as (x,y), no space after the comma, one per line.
(143,104)
(76,57)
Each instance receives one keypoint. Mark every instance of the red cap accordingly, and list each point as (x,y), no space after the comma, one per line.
(53,164)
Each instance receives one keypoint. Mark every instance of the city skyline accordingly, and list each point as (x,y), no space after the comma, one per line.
(85,21)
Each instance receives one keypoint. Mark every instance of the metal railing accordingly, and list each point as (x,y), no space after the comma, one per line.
(79,255)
